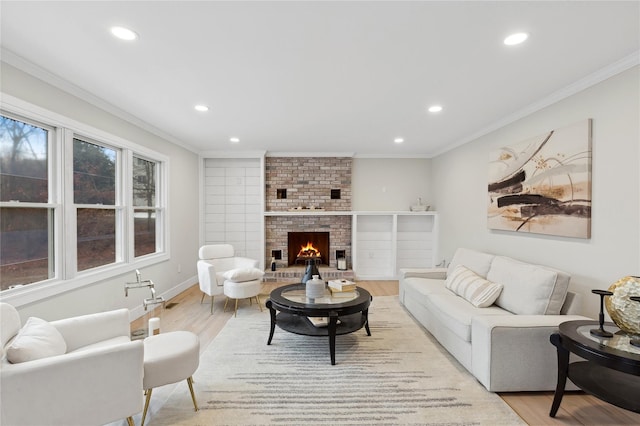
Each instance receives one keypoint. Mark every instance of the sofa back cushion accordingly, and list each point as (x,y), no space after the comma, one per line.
(528,289)
(473,288)
(477,261)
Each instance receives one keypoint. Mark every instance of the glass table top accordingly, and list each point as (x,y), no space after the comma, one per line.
(300,296)
(619,341)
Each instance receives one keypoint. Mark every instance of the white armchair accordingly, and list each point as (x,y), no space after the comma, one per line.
(215,260)
(97,379)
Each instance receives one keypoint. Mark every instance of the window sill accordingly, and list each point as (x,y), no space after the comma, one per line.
(31,293)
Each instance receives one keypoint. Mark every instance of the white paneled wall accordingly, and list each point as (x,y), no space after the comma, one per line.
(233,204)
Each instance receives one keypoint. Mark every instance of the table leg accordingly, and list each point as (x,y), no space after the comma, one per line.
(563,369)
(365,314)
(333,324)
(272,311)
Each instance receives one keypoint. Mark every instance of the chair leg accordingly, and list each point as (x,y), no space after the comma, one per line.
(225,305)
(146,405)
(235,313)
(193,395)
(130,421)
(258,300)
(202,298)
(212,305)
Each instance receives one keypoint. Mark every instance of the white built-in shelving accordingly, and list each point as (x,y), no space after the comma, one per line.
(385,242)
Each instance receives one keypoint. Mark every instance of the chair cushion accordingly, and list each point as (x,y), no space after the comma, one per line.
(37,339)
(243,274)
(479,292)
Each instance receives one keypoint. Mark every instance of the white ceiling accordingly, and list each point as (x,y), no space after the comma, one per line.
(321,76)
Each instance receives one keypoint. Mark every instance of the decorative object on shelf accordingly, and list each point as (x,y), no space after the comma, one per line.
(636,340)
(273,263)
(312,269)
(315,287)
(622,310)
(419,207)
(601,332)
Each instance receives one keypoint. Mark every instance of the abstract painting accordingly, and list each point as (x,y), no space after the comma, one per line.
(543,185)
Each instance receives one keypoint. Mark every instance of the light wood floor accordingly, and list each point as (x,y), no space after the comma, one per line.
(185,312)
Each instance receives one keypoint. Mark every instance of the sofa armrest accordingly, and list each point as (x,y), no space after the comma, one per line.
(95,386)
(88,329)
(434,273)
(513,352)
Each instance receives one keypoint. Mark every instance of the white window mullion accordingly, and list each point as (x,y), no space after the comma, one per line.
(124,232)
(56,194)
(69,225)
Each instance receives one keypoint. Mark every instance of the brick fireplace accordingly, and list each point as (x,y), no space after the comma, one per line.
(307,194)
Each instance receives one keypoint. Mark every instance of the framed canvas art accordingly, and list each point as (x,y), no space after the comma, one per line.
(543,185)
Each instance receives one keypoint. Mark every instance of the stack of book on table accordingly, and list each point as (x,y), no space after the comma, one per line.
(341,286)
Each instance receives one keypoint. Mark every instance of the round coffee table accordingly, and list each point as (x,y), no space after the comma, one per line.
(610,371)
(345,313)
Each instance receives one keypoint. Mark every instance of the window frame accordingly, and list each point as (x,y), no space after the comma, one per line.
(61,203)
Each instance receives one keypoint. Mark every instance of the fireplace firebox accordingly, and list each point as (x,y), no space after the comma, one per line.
(303,246)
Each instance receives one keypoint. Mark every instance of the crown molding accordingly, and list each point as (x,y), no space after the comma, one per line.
(54,80)
(232,154)
(599,76)
(310,154)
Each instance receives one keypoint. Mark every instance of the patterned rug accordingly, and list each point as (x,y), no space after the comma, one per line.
(398,375)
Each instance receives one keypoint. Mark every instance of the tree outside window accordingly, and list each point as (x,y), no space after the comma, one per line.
(25,232)
(144,202)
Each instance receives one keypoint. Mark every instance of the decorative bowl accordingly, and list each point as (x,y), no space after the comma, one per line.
(419,208)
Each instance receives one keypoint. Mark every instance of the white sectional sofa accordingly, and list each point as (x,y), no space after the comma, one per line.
(506,344)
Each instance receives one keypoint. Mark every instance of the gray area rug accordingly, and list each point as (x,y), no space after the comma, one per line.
(397,376)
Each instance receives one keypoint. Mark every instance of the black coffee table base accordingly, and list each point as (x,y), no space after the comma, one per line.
(300,324)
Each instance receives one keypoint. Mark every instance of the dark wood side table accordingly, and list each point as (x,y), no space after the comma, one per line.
(611,370)
(346,313)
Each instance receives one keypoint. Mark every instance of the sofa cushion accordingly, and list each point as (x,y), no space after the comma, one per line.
(36,339)
(455,313)
(476,290)
(477,261)
(241,275)
(528,289)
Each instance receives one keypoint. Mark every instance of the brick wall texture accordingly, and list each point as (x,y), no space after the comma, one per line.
(308,182)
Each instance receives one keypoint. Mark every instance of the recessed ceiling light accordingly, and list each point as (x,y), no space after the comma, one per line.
(201,108)
(435,108)
(516,38)
(234,140)
(124,33)
(398,140)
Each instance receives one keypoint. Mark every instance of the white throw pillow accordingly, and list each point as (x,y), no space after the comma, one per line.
(475,289)
(36,339)
(243,274)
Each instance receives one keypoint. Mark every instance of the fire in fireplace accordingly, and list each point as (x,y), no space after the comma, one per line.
(308,245)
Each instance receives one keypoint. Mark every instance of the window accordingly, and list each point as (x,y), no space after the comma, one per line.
(76,204)
(94,194)
(145,211)
(25,215)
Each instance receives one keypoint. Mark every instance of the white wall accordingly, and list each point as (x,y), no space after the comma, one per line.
(390,184)
(182,206)
(613,250)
